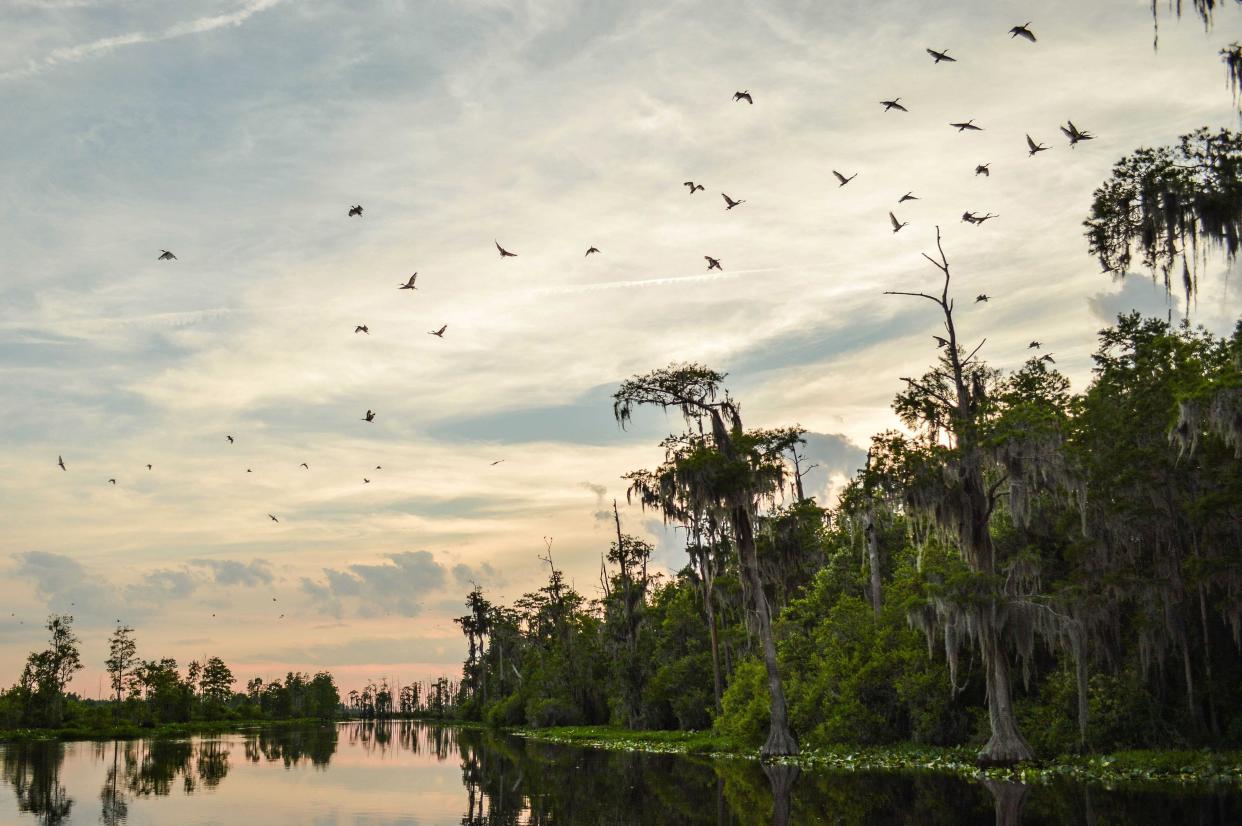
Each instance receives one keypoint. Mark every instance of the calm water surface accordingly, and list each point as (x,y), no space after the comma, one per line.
(410,773)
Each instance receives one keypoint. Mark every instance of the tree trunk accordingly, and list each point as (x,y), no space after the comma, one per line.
(873,561)
(1006,746)
(780,740)
(717,682)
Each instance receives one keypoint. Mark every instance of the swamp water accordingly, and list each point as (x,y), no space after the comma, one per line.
(412,773)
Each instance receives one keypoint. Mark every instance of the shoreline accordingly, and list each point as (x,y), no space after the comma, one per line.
(1198,770)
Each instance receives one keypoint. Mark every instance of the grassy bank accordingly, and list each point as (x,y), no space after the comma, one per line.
(129,731)
(1129,768)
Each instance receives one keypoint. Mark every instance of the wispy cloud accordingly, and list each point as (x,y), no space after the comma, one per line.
(83,51)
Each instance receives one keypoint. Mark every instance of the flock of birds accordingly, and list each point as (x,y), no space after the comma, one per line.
(1070,130)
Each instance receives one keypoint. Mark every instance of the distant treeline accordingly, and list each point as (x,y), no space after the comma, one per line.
(151,692)
(1026,568)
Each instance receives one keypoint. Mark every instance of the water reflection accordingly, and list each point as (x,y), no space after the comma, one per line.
(507,781)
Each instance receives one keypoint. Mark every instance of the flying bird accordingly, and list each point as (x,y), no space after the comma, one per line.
(370,416)
(939,56)
(504,253)
(909,196)
(896,224)
(713,263)
(362,328)
(982,297)
(843,180)
(743,96)
(60,460)
(982,169)
(729,202)
(970,124)
(366,481)
(1075,134)
(1048,358)
(972,218)
(356,209)
(893,104)
(112,481)
(1022,31)
(148,467)
(498,461)
(248,470)
(591,250)
(230,438)
(379,467)
(1034,147)
(438,333)
(1034,345)
(693,186)
(274,519)
(941,342)
(409,285)
(305,465)
(165,255)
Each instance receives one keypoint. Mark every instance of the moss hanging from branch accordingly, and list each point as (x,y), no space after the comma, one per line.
(1170,206)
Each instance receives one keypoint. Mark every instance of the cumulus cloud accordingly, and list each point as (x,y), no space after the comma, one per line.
(396,586)
(233,572)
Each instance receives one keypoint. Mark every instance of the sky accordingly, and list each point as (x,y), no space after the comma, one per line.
(238,133)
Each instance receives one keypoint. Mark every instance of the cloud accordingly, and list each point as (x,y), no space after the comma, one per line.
(233,572)
(395,586)
(482,574)
(65,585)
(103,45)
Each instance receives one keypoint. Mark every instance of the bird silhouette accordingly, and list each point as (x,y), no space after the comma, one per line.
(60,460)
(366,481)
(909,196)
(1048,358)
(248,470)
(982,297)
(148,467)
(842,179)
(896,225)
(1075,134)
(370,416)
(165,255)
(692,186)
(305,465)
(1034,345)
(970,124)
(729,202)
(438,333)
(274,519)
(982,169)
(230,438)
(362,328)
(743,96)
(941,342)
(504,253)
(409,285)
(591,250)
(939,56)
(112,481)
(1022,31)
(498,461)
(713,263)
(972,218)
(356,209)
(1034,147)
(893,104)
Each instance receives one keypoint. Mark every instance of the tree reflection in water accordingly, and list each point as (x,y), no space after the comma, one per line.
(33,772)
(510,781)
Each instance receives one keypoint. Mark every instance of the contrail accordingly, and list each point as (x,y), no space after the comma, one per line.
(570,289)
(80,52)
